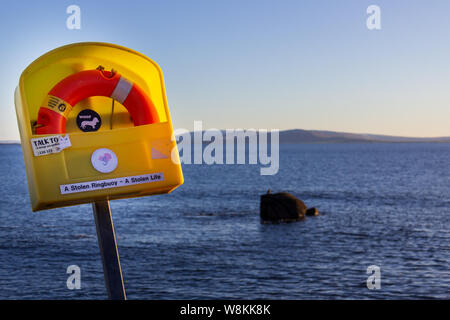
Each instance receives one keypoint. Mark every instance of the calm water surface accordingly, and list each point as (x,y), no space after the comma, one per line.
(380,204)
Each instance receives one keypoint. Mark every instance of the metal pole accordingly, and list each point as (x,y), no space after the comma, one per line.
(108,250)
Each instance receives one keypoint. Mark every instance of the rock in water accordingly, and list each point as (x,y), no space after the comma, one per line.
(312,212)
(281,207)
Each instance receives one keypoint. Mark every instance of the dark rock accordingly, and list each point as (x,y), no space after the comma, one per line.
(281,207)
(312,212)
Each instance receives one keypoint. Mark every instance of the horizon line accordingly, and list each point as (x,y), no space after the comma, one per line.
(9,141)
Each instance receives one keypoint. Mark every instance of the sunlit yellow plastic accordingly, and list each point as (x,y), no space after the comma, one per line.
(132,145)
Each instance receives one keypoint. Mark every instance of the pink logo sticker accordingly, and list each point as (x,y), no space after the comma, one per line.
(105,158)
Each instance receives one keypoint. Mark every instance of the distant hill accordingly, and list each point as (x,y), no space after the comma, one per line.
(317,136)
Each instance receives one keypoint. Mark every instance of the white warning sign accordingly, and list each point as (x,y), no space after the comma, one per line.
(49,144)
(110,183)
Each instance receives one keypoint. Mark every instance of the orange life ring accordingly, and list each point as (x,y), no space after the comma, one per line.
(68,92)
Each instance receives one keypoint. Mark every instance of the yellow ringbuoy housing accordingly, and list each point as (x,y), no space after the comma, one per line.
(61,172)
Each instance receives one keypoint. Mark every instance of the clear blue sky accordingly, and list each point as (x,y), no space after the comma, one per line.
(261,64)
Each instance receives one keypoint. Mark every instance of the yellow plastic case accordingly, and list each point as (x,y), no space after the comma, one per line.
(141,151)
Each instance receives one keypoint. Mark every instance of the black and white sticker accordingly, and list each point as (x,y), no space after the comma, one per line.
(88,120)
(110,183)
(49,144)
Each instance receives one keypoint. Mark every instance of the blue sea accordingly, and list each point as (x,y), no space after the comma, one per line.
(380,204)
